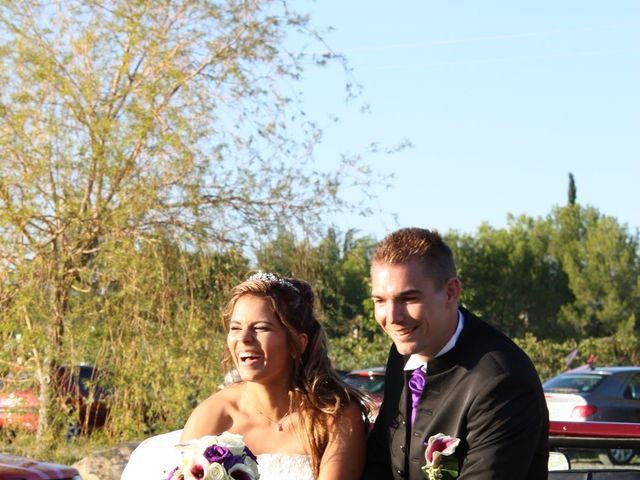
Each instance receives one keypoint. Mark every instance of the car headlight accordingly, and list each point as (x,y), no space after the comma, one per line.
(76,477)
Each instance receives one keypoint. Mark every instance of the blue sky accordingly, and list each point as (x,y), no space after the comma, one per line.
(500,99)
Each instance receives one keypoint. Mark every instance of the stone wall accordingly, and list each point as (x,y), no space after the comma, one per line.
(106,464)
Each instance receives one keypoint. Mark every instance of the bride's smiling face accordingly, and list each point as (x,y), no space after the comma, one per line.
(258,341)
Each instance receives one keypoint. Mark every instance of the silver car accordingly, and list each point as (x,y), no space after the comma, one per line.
(606,394)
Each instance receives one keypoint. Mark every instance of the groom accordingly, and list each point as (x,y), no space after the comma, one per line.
(448,372)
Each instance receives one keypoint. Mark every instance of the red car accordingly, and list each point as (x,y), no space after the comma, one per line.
(21,468)
(371,382)
(78,387)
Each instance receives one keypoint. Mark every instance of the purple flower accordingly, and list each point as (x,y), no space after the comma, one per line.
(250,454)
(217,454)
(231,461)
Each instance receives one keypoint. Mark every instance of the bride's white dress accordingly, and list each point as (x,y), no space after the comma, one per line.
(156,456)
(282,466)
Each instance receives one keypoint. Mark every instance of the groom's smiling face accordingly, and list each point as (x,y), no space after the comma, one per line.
(419,316)
(258,341)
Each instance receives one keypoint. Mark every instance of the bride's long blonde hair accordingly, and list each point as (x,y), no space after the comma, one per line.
(319,395)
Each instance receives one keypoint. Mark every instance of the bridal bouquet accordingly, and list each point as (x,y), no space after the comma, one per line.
(441,465)
(220,457)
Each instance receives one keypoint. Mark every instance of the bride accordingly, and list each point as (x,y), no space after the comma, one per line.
(290,406)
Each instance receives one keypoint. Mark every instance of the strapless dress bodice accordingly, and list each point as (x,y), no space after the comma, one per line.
(284,466)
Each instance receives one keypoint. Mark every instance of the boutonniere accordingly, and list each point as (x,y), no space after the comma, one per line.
(440,464)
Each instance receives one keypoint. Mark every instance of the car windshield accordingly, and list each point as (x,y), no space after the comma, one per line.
(573,383)
(371,384)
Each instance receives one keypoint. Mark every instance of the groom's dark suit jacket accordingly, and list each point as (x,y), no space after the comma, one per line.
(484,391)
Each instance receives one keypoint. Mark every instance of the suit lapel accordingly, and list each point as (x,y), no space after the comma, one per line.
(404,399)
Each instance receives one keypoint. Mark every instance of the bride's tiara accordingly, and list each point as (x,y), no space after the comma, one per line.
(273,278)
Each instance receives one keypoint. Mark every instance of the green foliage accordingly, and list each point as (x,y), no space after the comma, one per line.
(509,278)
(547,355)
(66,453)
(574,274)
(550,358)
(602,263)
(338,269)
(572,192)
(351,353)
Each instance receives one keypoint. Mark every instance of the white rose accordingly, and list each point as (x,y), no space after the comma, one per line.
(215,471)
(232,441)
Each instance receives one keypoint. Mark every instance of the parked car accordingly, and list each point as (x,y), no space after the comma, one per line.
(605,394)
(79,388)
(21,468)
(371,382)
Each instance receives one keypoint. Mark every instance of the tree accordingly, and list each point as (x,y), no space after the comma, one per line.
(572,190)
(510,279)
(574,274)
(125,126)
(338,269)
(602,263)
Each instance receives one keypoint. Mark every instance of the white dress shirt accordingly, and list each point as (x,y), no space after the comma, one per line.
(416,362)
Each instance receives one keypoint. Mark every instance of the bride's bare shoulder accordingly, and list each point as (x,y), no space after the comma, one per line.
(229,395)
(213,415)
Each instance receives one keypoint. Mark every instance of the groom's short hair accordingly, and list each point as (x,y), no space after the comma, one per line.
(426,246)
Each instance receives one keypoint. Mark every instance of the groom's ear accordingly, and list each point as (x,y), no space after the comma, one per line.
(453,290)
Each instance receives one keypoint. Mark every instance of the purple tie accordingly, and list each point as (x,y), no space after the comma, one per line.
(416,385)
